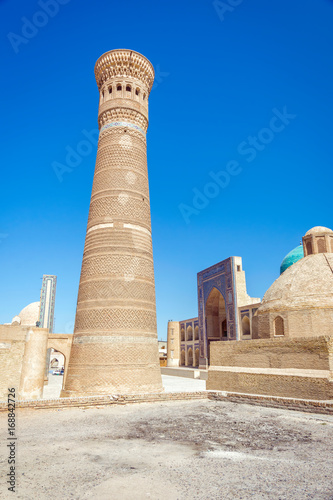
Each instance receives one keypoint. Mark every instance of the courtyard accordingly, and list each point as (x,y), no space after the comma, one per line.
(171,450)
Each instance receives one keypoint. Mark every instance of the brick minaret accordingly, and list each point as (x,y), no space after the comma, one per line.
(115,347)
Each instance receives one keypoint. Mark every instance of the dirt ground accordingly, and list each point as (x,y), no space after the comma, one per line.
(174,450)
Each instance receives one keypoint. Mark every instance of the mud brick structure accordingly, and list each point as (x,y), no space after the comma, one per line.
(115,347)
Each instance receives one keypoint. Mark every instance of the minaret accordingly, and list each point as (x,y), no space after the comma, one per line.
(115,348)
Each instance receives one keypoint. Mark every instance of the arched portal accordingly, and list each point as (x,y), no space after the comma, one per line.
(278,326)
(246,328)
(190,357)
(216,318)
(196,363)
(56,374)
(60,344)
(54,363)
(182,358)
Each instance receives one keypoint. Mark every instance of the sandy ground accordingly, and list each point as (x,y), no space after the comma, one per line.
(173,450)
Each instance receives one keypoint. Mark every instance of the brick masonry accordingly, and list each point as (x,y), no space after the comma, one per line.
(296,368)
(115,345)
(305,405)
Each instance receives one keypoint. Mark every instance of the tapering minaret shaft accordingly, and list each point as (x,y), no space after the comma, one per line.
(115,347)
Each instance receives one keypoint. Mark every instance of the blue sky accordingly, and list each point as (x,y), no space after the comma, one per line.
(224,71)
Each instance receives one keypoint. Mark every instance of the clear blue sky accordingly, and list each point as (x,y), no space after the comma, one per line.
(220,76)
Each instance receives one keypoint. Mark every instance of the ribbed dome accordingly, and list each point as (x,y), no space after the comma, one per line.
(318,229)
(294,256)
(306,284)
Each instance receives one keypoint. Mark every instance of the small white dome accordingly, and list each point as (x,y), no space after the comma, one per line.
(30,314)
(16,320)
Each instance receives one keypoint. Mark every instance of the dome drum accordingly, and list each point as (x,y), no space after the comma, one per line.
(318,240)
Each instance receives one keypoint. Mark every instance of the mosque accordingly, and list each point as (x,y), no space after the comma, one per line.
(290,329)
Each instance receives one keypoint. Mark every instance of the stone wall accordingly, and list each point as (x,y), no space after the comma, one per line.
(297,323)
(304,353)
(300,368)
(12,345)
(33,367)
(291,385)
(22,358)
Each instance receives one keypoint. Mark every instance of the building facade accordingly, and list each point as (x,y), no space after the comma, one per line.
(226,313)
(290,353)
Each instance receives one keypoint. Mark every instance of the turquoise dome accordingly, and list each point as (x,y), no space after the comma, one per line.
(292,257)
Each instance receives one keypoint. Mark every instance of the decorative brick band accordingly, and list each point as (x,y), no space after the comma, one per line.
(100,226)
(123,124)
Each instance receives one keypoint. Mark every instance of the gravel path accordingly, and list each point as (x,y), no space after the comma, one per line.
(174,450)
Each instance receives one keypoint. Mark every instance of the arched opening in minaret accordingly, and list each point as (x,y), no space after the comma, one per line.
(118,88)
(216,318)
(128,88)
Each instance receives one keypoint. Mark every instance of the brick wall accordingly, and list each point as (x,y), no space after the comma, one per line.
(306,405)
(303,353)
(11,357)
(297,368)
(275,384)
(22,360)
